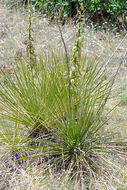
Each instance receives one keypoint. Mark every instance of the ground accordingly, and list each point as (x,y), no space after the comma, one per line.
(98,45)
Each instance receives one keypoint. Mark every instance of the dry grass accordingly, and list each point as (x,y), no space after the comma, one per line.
(97,45)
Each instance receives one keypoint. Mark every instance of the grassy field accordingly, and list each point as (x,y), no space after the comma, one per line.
(100,46)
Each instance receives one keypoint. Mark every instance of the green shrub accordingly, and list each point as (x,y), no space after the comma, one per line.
(96,10)
(112,9)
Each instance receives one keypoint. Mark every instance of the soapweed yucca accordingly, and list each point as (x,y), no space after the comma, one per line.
(72,133)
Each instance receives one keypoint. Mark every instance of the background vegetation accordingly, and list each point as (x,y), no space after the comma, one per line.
(112,10)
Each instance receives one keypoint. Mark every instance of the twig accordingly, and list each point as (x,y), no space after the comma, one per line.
(110,58)
(114,77)
(67,62)
(110,89)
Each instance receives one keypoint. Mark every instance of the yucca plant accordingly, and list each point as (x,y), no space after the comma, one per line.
(73,134)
